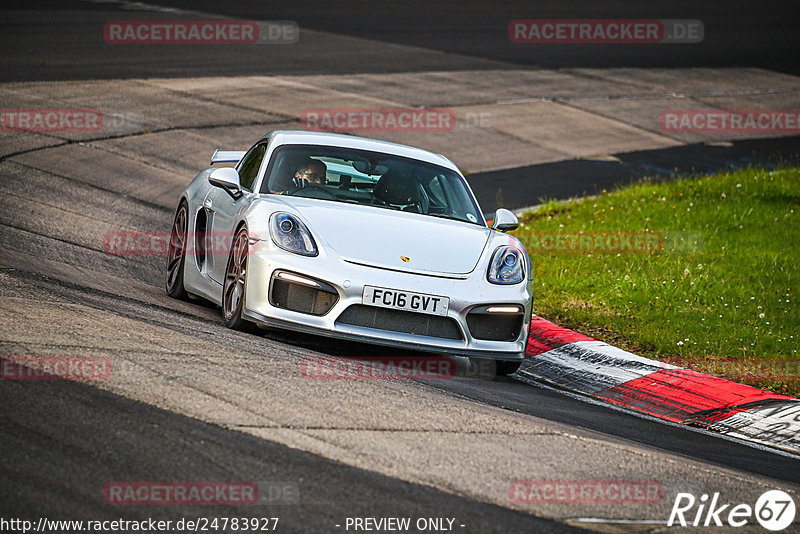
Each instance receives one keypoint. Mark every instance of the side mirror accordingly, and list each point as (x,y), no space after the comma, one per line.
(504,220)
(228,179)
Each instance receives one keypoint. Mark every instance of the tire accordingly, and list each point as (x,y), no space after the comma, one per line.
(489,368)
(233,290)
(505,368)
(176,253)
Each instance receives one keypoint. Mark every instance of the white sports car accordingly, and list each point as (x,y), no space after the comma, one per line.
(353,238)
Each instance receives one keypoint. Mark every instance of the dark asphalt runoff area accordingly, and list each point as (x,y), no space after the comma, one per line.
(745,33)
(522,187)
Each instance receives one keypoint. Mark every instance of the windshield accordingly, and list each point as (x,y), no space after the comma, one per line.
(371,179)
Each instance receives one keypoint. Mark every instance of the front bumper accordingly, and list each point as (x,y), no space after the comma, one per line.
(466,293)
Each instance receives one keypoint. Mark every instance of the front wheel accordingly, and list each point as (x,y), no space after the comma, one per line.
(505,368)
(486,367)
(235,281)
(176,254)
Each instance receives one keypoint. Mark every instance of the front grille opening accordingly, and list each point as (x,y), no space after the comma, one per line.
(494,326)
(302,298)
(404,322)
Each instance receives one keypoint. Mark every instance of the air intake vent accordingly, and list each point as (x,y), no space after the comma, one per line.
(488,326)
(300,294)
(400,321)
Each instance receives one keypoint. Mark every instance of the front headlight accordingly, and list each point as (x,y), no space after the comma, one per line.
(506,266)
(291,234)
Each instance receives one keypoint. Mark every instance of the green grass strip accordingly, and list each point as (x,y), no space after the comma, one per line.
(699,272)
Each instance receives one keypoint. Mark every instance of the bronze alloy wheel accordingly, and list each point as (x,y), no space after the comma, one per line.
(176,254)
(235,280)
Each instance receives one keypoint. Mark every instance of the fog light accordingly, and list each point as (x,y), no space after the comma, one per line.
(503,309)
(297,279)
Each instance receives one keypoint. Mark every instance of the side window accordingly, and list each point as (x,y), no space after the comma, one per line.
(248,170)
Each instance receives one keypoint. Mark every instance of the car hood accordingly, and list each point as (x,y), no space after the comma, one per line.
(392,239)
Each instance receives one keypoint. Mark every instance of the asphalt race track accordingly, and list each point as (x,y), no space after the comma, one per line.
(189,400)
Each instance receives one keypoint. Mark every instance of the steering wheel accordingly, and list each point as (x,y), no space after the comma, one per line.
(312,188)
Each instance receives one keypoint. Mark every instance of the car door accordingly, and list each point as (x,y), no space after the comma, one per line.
(223,211)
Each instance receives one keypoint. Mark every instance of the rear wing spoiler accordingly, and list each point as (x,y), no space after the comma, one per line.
(227,156)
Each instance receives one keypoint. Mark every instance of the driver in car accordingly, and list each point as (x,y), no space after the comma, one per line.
(313,171)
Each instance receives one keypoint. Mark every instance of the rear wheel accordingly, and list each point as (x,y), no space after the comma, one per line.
(176,253)
(235,280)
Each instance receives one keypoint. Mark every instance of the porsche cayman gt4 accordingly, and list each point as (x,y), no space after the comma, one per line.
(353,238)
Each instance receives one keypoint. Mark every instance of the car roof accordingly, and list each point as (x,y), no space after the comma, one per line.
(301,137)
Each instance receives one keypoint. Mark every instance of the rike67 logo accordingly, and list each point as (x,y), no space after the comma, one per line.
(774,510)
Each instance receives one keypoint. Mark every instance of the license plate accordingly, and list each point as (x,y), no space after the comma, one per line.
(405,300)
